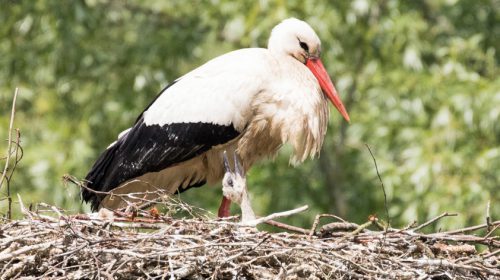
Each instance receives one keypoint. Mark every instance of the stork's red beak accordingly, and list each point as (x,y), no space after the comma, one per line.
(319,71)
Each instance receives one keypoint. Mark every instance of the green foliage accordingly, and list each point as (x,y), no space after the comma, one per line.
(419,78)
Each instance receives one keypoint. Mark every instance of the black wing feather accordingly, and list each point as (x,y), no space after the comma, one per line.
(151,148)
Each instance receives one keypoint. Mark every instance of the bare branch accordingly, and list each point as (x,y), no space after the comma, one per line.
(386,206)
(435,219)
(9,141)
(274,216)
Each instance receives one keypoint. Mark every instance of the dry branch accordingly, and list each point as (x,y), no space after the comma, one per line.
(17,151)
(9,139)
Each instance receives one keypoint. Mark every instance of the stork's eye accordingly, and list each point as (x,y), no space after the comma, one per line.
(230,182)
(304,46)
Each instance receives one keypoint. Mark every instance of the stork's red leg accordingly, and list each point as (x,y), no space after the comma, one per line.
(225,204)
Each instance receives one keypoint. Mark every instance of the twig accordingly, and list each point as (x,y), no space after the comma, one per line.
(287,227)
(461,238)
(9,143)
(489,233)
(386,206)
(23,250)
(274,216)
(316,222)
(24,211)
(446,263)
(339,226)
(248,250)
(8,178)
(472,228)
(494,253)
(361,228)
(488,218)
(134,200)
(433,220)
(482,258)
(9,152)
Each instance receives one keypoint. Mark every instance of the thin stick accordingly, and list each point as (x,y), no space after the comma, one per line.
(446,263)
(336,226)
(360,228)
(316,223)
(472,228)
(495,227)
(445,214)
(248,250)
(8,178)
(74,180)
(497,252)
(487,256)
(488,218)
(24,211)
(287,227)
(273,216)
(6,256)
(382,186)
(9,147)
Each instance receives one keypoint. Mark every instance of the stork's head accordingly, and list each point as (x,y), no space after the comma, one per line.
(296,38)
(234,182)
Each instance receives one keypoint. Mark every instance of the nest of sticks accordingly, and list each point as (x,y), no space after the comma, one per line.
(183,242)
(146,244)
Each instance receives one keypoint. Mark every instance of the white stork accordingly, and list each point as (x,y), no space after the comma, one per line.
(249,102)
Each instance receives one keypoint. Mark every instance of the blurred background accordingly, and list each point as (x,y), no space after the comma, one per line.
(420,80)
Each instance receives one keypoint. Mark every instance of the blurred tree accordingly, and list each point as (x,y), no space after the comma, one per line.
(419,78)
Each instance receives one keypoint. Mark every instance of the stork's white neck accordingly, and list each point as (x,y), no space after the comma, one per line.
(247,213)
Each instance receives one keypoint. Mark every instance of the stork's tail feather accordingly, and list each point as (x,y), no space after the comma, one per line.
(96,177)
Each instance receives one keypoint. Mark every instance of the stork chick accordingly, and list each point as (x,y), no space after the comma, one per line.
(234,188)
